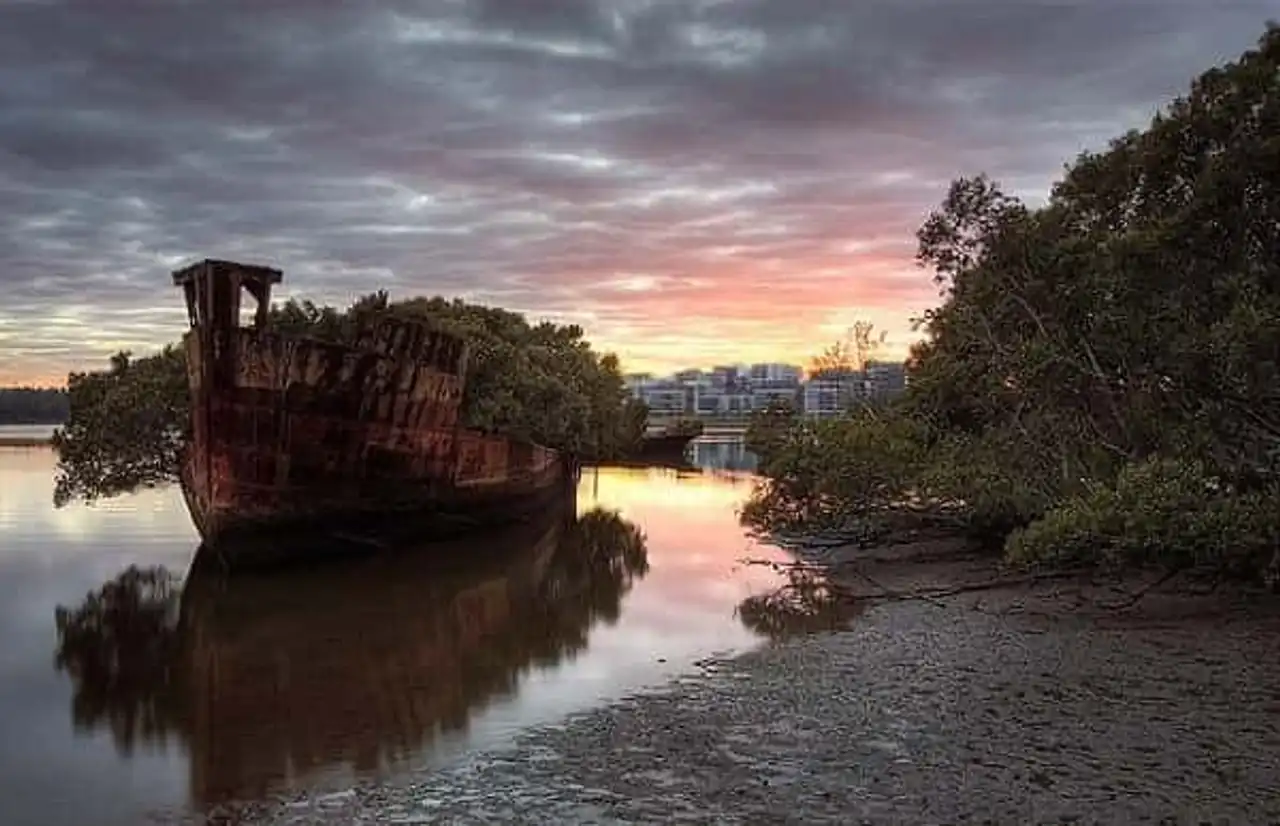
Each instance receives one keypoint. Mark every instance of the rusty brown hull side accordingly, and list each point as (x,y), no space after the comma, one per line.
(295,439)
(358,525)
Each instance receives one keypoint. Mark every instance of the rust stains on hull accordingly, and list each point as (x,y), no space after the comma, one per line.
(294,437)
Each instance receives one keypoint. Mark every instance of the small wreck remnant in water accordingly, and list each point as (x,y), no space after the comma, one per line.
(299,445)
(671,441)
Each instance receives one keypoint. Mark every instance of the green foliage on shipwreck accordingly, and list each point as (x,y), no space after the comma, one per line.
(1101,381)
(538,382)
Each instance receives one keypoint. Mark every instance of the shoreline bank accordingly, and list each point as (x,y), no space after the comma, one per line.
(922,711)
(26,441)
(937,569)
(1008,704)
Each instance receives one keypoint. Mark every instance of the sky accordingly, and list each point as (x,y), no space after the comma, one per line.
(693,182)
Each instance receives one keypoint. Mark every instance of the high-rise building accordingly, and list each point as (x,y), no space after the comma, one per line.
(725,376)
(886,379)
(774,373)
(734,390)
(691,374)
(825,397)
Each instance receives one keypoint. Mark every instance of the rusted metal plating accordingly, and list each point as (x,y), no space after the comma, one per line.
(284,426)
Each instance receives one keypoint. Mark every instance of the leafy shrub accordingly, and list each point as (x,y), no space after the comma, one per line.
(767,429)
(994,482)
(834,472)
(1165,513)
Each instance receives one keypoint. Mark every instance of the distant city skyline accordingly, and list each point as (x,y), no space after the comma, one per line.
(741,389)
(687,181)
(804,365)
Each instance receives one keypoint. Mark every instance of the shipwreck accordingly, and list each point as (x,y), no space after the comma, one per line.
(301,447)
(669,443)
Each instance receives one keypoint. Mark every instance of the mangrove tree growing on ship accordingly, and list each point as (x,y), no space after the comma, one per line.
(539,382)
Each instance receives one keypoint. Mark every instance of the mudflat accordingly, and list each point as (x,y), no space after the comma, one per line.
(1045,702)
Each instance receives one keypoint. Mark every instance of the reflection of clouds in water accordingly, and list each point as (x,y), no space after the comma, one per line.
(674,493)
(27,515)
(48,774)
(682,611)
(269,679)
(695,545)
(770,604)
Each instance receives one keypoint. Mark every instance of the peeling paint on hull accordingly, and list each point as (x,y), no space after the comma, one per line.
(301,447)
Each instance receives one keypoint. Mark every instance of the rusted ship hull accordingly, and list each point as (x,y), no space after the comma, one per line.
(301,447)
(277,532)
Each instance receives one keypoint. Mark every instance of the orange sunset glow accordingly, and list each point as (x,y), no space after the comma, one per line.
(693,183)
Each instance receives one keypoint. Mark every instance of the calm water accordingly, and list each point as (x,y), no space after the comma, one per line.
(171,688)
(721,453)
(27,431)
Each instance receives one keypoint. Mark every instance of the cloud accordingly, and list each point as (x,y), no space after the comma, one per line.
(757,168)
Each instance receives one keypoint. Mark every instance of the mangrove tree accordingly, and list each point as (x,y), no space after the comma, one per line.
(1100,383)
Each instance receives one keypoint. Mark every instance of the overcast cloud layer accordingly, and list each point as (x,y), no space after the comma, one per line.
(691,181)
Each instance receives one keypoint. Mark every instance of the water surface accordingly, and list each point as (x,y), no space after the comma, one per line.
(27,431)
(721,452)
(170,687)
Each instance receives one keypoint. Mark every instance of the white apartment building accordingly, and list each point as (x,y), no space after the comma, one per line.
(738,390)
(775,373)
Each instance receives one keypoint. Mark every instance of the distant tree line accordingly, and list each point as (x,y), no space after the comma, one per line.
(33,405)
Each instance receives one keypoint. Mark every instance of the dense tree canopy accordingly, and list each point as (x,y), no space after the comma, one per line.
(33,405)
(539,382)
(1098,365)
(126,428)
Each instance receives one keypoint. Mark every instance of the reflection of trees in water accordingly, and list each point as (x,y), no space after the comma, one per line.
(602,549)
(119,648)
(268,677)
(804,603)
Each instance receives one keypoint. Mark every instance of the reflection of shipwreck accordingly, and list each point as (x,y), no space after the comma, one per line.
(271,679)
(299,444)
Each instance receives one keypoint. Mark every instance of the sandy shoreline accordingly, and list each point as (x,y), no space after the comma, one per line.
(920,713)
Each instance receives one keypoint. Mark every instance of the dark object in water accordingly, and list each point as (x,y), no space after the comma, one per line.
(301,446)
(279,681)
(668,445)
(679,463)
